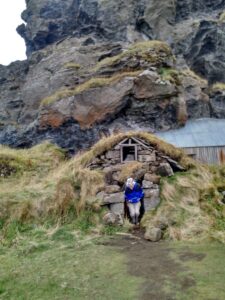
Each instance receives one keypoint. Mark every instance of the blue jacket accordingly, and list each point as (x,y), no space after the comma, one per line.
(133,195)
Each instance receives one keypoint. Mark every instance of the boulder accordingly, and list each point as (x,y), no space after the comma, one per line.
(165,169)
(149,85)
(110,189)
(117,208)
(114,198)
(100,196)
(161,222)
(147,184)
(153,234)
(174,164)
(113,154)
(151,203)
(89,107)
(147,157)
(152,177)
(139,174)
(149,193)
(109,218)
(116,176)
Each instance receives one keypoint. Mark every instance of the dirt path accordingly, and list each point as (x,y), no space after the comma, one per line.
(153,262)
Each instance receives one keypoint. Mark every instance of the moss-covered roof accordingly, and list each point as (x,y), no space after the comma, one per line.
(108,143)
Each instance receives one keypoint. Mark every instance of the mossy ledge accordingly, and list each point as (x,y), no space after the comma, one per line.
(219,86)
(89,84)
(150,51)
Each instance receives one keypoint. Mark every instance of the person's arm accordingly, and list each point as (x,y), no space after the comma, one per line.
(138,187)
(126,194)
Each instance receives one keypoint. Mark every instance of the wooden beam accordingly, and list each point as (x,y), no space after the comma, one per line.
(123,141)
(141,143)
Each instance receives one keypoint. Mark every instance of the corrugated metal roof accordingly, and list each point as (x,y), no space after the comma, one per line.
(197,133)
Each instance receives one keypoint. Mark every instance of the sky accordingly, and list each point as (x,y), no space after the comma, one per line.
(12,46)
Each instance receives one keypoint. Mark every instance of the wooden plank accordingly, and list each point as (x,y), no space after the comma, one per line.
(207,155)
(123,141)
(141,143)
(136,153)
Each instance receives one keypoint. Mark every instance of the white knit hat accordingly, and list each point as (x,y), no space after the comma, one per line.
(129,181)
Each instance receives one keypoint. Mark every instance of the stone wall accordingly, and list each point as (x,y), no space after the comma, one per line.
(152,166)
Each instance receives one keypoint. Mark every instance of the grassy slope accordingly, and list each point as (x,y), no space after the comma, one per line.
(191,205)
(45,186)
(31,184)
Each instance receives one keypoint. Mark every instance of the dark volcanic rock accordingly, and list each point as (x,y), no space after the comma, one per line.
(187,8)
(206,53)
(85,44)
(217,102)
(50,21)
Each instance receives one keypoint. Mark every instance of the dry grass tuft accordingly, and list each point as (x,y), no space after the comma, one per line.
(128,170)
(189,72)
(24,192)
(91,83)
(189,206)
(219,86)
(149,51)
(72,65)
(222,17)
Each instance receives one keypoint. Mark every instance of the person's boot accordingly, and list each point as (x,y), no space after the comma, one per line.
(133,220)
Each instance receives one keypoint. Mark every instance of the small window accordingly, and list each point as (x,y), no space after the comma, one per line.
(128,153)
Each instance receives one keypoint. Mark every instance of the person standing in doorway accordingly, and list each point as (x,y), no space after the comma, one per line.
(133,196)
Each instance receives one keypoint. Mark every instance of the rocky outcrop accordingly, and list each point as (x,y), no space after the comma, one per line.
(187,8)
(206,52)
(217,101)
(80,99)
(90,107)
(91,70)
(49,21)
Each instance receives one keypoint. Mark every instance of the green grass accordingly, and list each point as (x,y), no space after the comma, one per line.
(170,74)
(205,268)
(62,264)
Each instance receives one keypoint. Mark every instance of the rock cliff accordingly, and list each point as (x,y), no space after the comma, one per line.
(98,66)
